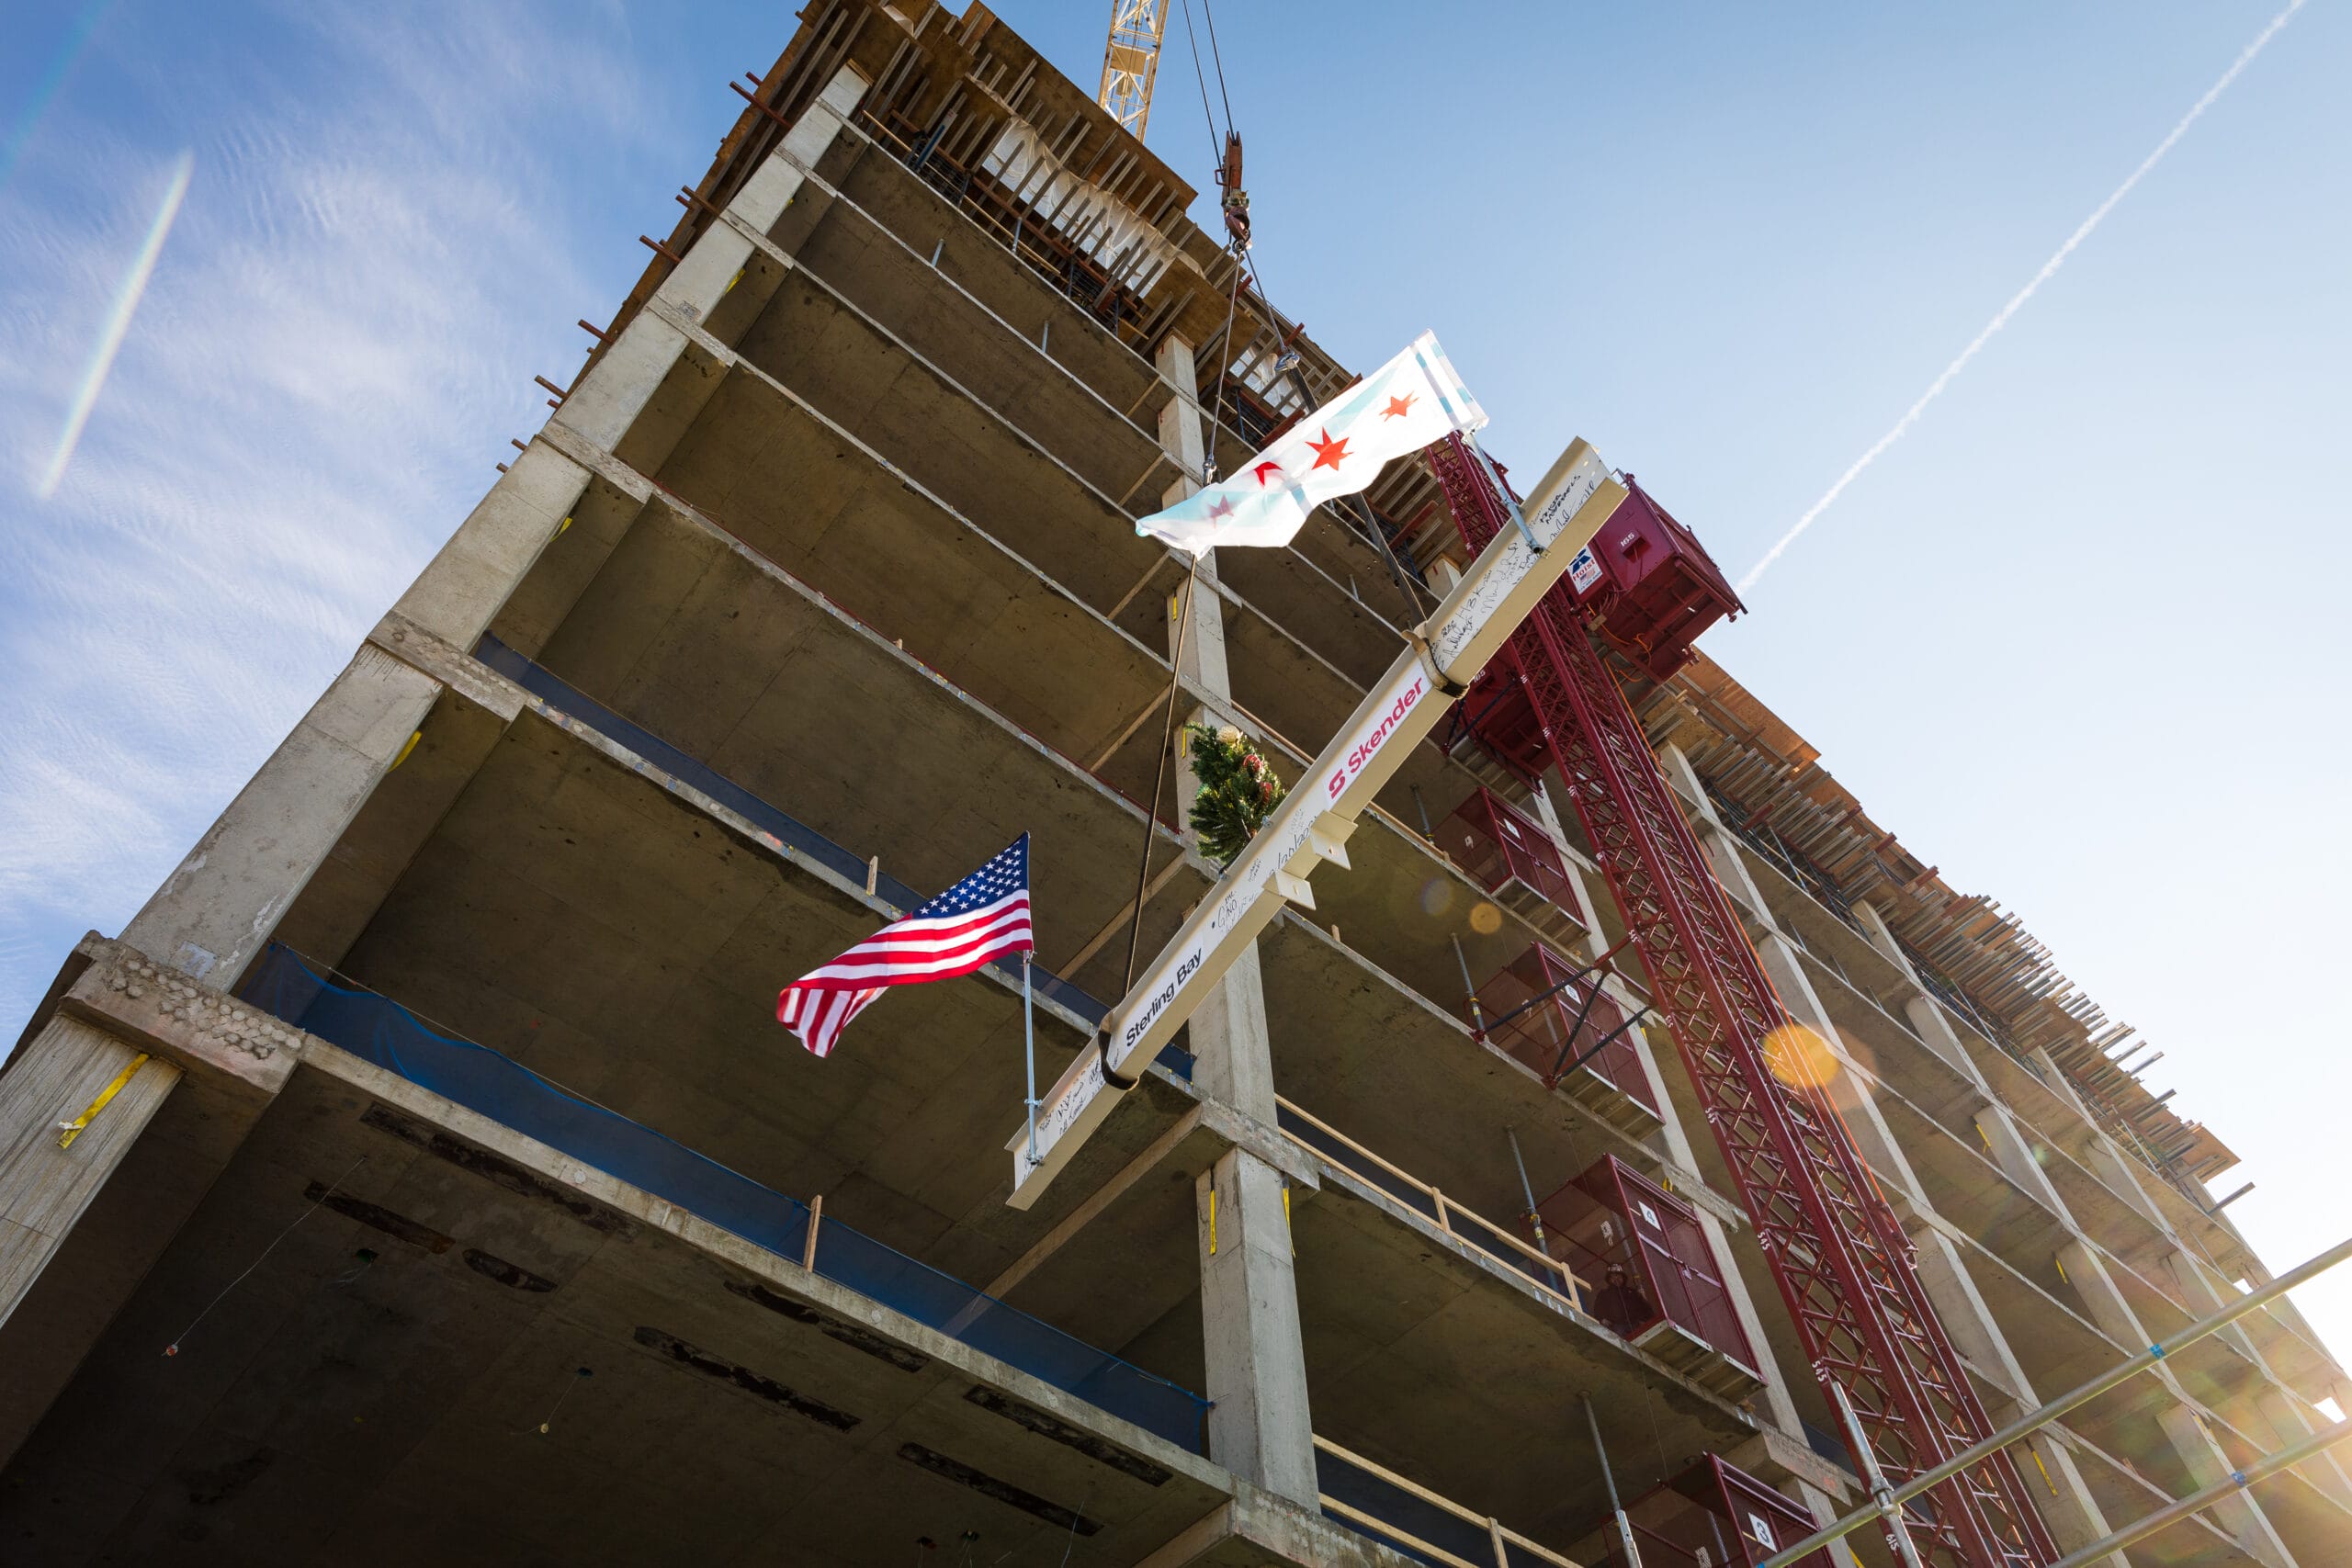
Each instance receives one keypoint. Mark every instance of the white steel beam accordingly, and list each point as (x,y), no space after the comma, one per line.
(1312,824)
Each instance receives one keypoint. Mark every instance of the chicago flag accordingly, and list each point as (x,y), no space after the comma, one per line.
(1338,449)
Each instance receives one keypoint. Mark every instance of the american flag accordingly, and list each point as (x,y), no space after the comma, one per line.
(982,918)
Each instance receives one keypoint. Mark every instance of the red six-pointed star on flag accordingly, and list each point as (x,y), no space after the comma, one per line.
(1398,407)
(1221,507)
(1261,468)
(1329,454)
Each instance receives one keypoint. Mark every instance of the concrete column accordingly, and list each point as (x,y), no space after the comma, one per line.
(1201,660)
(1183,430)
(2290,1421)
(80,1226)
(2240,1515)
(1926,1019)
(1595,945)
(1260,1426)
(45,1188)
(2055,1482)
(2106,1160)
(2288,1417)
(2010,1145)
(2058,1491)
(216,911)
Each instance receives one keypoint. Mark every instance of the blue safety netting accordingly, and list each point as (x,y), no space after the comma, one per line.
(381,1030)
(803,840)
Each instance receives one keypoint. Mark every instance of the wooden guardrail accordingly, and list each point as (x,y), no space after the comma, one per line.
(1503,1537)
(1448,1211)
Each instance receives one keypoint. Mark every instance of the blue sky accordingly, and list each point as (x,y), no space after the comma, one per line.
(2076,637)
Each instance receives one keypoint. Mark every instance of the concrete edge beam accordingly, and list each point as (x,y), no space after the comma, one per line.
(782,1274)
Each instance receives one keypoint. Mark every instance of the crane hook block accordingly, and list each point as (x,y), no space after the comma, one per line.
(1235,201)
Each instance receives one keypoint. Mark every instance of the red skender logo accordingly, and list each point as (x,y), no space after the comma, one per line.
(1355,760)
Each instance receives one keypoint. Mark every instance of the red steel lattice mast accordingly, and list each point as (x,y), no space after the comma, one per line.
(1842,1262)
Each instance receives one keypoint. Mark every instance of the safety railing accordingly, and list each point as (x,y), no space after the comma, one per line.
(1322,1139)
(376,1029)
(1408,1517)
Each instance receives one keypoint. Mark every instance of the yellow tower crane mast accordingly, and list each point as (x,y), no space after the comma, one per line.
(1131,61)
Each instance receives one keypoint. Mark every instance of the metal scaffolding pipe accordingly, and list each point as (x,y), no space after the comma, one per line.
(2237,1481)
(2035,1420)
(1632,1554)
(1898,1532)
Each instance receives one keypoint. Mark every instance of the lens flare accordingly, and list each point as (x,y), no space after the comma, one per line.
(1437,896)
(1798,1058)
(1485,918)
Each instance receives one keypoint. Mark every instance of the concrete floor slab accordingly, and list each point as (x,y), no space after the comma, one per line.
(372,1392)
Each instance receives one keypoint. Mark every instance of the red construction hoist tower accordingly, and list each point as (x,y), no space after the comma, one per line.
(1844,1266)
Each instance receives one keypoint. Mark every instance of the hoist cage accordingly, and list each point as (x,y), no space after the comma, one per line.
(1644,1250)
(1498,844)
(1543,1012)
(1713,1516)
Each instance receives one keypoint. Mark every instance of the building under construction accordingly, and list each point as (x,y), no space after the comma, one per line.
(1630,1148)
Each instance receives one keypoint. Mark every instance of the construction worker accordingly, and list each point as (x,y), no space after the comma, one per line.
(1621,1305)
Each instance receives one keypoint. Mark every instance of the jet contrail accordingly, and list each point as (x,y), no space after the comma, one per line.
(126,302)
(1935,388)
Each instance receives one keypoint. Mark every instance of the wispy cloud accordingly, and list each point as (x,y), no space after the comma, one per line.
(356,294)
(61,61)
(2001,318)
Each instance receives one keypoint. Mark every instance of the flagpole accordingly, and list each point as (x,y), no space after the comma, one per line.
(1502,490)
(1029,1034)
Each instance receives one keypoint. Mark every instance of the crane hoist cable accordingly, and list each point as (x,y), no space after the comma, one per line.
(1208,116)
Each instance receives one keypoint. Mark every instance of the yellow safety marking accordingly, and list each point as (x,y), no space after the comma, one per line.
(1211,1221)
(1286,1230)
(2061,1267)
(413,736)
(68,1131)
(562,526)
(2043,1468)
(733,281)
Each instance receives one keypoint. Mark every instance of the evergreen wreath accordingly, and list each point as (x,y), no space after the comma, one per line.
(1237,790)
